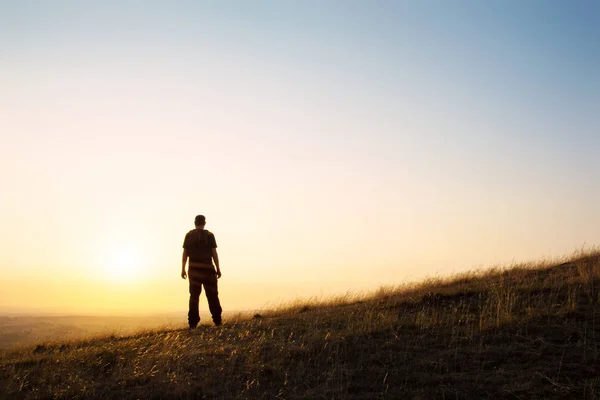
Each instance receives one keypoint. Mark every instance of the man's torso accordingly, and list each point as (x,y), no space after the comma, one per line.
(198,244)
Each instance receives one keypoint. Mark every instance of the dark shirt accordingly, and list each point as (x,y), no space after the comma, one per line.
(198,244)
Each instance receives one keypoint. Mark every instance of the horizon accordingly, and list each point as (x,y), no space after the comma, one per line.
(524,332)
(332,146)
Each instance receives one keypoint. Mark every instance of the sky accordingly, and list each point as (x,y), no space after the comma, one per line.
(333,146)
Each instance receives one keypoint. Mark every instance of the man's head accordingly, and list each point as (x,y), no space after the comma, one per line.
(200,221)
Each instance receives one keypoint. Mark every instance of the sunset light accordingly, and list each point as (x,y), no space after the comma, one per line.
(333,146)
(125,266)
(300,199)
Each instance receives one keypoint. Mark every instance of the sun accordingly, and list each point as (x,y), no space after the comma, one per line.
(124,266)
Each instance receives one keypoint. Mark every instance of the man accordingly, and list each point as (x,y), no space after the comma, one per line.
(200,247)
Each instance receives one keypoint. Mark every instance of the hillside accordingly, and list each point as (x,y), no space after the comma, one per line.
(525,332)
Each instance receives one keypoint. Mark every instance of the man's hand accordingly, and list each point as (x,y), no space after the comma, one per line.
(184,258)
(215,257)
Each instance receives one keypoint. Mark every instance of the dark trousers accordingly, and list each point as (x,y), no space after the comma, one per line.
(203,277)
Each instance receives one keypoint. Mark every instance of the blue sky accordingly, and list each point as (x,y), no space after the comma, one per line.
(454,133)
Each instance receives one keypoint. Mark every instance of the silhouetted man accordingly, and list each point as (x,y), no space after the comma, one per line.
(201,248)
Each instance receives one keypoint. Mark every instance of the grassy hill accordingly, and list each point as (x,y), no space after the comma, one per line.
(525,332)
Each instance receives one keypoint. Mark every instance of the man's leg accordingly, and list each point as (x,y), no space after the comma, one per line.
(193,313)
(212,295)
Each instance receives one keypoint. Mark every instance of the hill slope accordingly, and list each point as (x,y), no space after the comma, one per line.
(523,333)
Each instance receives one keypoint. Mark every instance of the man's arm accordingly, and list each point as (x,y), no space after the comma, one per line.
(184,258)
(215,257)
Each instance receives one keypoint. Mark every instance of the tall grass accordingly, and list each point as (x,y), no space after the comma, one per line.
(525,331)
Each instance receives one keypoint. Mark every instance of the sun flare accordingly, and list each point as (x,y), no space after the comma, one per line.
(124,266)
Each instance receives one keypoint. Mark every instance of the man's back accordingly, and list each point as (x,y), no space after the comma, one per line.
(199,244)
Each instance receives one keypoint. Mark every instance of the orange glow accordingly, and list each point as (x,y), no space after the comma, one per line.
(331,155)
(124,266)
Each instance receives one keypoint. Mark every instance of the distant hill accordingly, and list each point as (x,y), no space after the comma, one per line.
(22,329)
(525,332)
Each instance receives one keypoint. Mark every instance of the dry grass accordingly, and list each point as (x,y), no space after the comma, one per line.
(524,332)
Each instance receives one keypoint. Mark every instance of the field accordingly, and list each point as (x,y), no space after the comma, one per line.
(521,332)
(20,330)
(26,330)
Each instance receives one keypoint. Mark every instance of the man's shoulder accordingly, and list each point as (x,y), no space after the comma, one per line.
(191,234)
(195,232)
